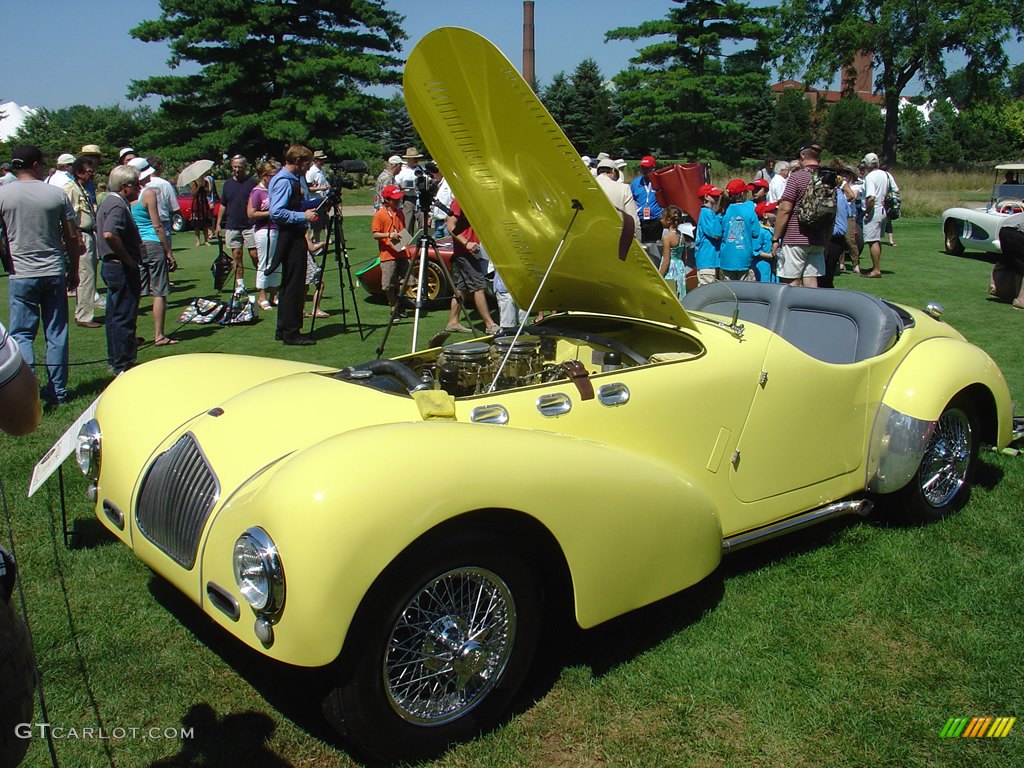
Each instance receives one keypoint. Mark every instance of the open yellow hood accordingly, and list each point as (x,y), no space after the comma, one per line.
(523,185)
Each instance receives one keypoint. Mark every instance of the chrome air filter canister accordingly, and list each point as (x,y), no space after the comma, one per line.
(464,369)
(525,361)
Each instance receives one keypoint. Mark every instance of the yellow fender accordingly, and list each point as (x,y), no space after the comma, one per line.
(343,510)
(938,368)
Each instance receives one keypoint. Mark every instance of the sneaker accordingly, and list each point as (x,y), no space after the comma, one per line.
(493,330)
(458,328)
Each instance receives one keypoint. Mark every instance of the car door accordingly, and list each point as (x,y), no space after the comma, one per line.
(807,425)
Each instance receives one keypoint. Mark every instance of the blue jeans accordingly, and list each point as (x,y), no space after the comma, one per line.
(123,290)
(32,299)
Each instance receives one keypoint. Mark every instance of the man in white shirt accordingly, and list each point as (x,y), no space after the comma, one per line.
(876,187)
(618,193)
(62,176)
(166,194)
(443,196)
(405,180)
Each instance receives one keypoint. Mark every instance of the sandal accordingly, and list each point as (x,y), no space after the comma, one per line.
(1017,304)
(165,341)
(318,313)
(458,328)
(266,306)
(493,330)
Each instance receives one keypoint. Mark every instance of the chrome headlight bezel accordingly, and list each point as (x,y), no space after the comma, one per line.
(88,449)
(258,572)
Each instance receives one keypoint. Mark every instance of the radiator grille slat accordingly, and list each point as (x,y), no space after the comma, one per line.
(177,496)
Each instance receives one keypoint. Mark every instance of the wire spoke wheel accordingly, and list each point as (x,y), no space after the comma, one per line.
(450,646)
(947,460)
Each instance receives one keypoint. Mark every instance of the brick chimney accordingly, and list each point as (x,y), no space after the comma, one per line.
(529,54)
(859,77)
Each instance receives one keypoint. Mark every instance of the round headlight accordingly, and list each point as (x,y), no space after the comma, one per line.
(258,571)
(87,449)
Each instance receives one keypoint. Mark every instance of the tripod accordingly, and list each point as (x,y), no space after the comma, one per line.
(419,263)
(336,232)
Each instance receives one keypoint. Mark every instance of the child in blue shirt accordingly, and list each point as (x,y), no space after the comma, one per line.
(709,235)
(741,234)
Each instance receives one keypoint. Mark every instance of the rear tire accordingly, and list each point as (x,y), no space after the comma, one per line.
(942,483)
(954,245)
(440,648)
(177,222)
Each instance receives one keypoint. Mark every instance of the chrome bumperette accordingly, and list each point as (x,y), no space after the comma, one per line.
(895,450)
(178,492)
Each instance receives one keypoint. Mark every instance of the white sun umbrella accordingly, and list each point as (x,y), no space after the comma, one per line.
(195,171)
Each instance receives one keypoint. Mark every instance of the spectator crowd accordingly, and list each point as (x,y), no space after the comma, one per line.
(62,234)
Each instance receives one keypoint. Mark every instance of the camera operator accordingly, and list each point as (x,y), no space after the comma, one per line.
(405,180)
(287,211)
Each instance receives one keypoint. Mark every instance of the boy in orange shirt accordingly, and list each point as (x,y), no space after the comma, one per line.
(387,226)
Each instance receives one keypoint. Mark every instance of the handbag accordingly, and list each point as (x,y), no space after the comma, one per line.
(220,269)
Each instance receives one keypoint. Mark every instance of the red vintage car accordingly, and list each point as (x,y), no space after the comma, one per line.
(437,285)
(182,219)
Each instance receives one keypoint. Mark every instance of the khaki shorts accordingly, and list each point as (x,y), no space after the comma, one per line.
(392,272)
(236,238)
(706,276)
(800,261)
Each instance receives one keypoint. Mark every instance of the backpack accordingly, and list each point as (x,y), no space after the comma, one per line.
(892,201)
(817,208)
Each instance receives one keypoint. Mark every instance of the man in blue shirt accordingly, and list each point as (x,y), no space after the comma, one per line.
(648,209)
(286,210)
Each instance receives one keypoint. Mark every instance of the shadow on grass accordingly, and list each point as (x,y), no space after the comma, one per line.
(237,739)
(295,692)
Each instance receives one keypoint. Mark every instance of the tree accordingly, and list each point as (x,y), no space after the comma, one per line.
(913,144)
(853,127)
(56,131)
(557,96)
(683,92)
(906,37)
(591,118)
(272,72)
(943,135)
(791,124)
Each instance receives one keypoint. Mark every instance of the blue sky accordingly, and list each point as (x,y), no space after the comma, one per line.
(81,51)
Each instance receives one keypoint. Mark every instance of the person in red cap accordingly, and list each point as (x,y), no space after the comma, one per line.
(387,227)
(740,234)
(759,190)
(648,209)
(764,264)
(709,235)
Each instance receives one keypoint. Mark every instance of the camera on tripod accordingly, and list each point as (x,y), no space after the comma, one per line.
(339,179)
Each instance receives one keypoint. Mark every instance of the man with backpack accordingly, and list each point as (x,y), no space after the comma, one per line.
(876,189)
(804,221)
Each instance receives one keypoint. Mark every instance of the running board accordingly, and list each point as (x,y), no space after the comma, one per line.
(860,507)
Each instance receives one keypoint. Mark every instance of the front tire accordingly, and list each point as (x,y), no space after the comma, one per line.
(177,222)
(942,483)
(954,245)
(440,648)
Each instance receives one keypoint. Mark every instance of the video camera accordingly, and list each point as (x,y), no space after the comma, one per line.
(338,181)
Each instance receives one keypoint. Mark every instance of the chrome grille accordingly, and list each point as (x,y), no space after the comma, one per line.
(176,497)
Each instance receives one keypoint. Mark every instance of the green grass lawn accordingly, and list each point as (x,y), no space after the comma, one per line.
(847,645)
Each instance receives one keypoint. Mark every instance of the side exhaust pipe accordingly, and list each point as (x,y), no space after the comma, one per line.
(740,541)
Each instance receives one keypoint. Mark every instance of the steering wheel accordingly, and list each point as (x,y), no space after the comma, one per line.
(590,338)
(1009,205)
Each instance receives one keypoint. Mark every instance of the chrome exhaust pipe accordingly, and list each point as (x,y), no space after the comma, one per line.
(860,507)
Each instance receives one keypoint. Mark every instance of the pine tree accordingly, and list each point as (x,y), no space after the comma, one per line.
(556,96)
(791,124)
(682,93)
(913,138)
(272,72)
(853,128)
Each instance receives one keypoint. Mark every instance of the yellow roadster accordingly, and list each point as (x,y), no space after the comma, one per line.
(638,441)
